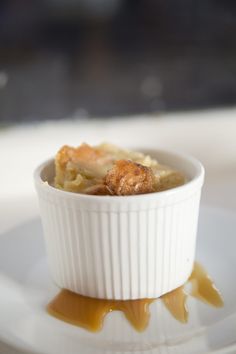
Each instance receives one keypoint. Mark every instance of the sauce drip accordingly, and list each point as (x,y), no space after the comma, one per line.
(203,287)
(89,313)
(175,302)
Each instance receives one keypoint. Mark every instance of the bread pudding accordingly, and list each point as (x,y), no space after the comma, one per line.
(108,170)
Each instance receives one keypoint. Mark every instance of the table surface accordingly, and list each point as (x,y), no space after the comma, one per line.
(209,136)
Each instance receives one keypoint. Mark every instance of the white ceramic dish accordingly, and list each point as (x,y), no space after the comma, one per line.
(122,247)
(26,288)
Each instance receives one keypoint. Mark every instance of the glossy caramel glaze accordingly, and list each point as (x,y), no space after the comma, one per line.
(175,301)
(203,287)
(89,313)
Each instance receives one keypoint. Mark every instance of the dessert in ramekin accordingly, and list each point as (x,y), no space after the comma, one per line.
(122,246)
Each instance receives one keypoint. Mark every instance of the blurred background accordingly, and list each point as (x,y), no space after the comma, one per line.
(98,58)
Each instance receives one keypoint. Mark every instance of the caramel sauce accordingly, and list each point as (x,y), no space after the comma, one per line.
(89,313)
(175,301)
(203,287)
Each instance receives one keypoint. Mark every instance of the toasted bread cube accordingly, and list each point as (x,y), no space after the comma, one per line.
(128,178)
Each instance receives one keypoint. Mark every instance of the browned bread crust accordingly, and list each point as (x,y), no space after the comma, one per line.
(128,178)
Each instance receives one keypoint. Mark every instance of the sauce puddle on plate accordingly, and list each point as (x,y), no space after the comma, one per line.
(89,313)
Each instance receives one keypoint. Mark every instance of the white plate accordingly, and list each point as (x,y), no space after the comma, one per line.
(25,289)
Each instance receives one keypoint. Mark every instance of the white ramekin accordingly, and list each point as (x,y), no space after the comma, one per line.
(129,247)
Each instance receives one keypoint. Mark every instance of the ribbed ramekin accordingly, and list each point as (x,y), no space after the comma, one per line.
(125,247)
